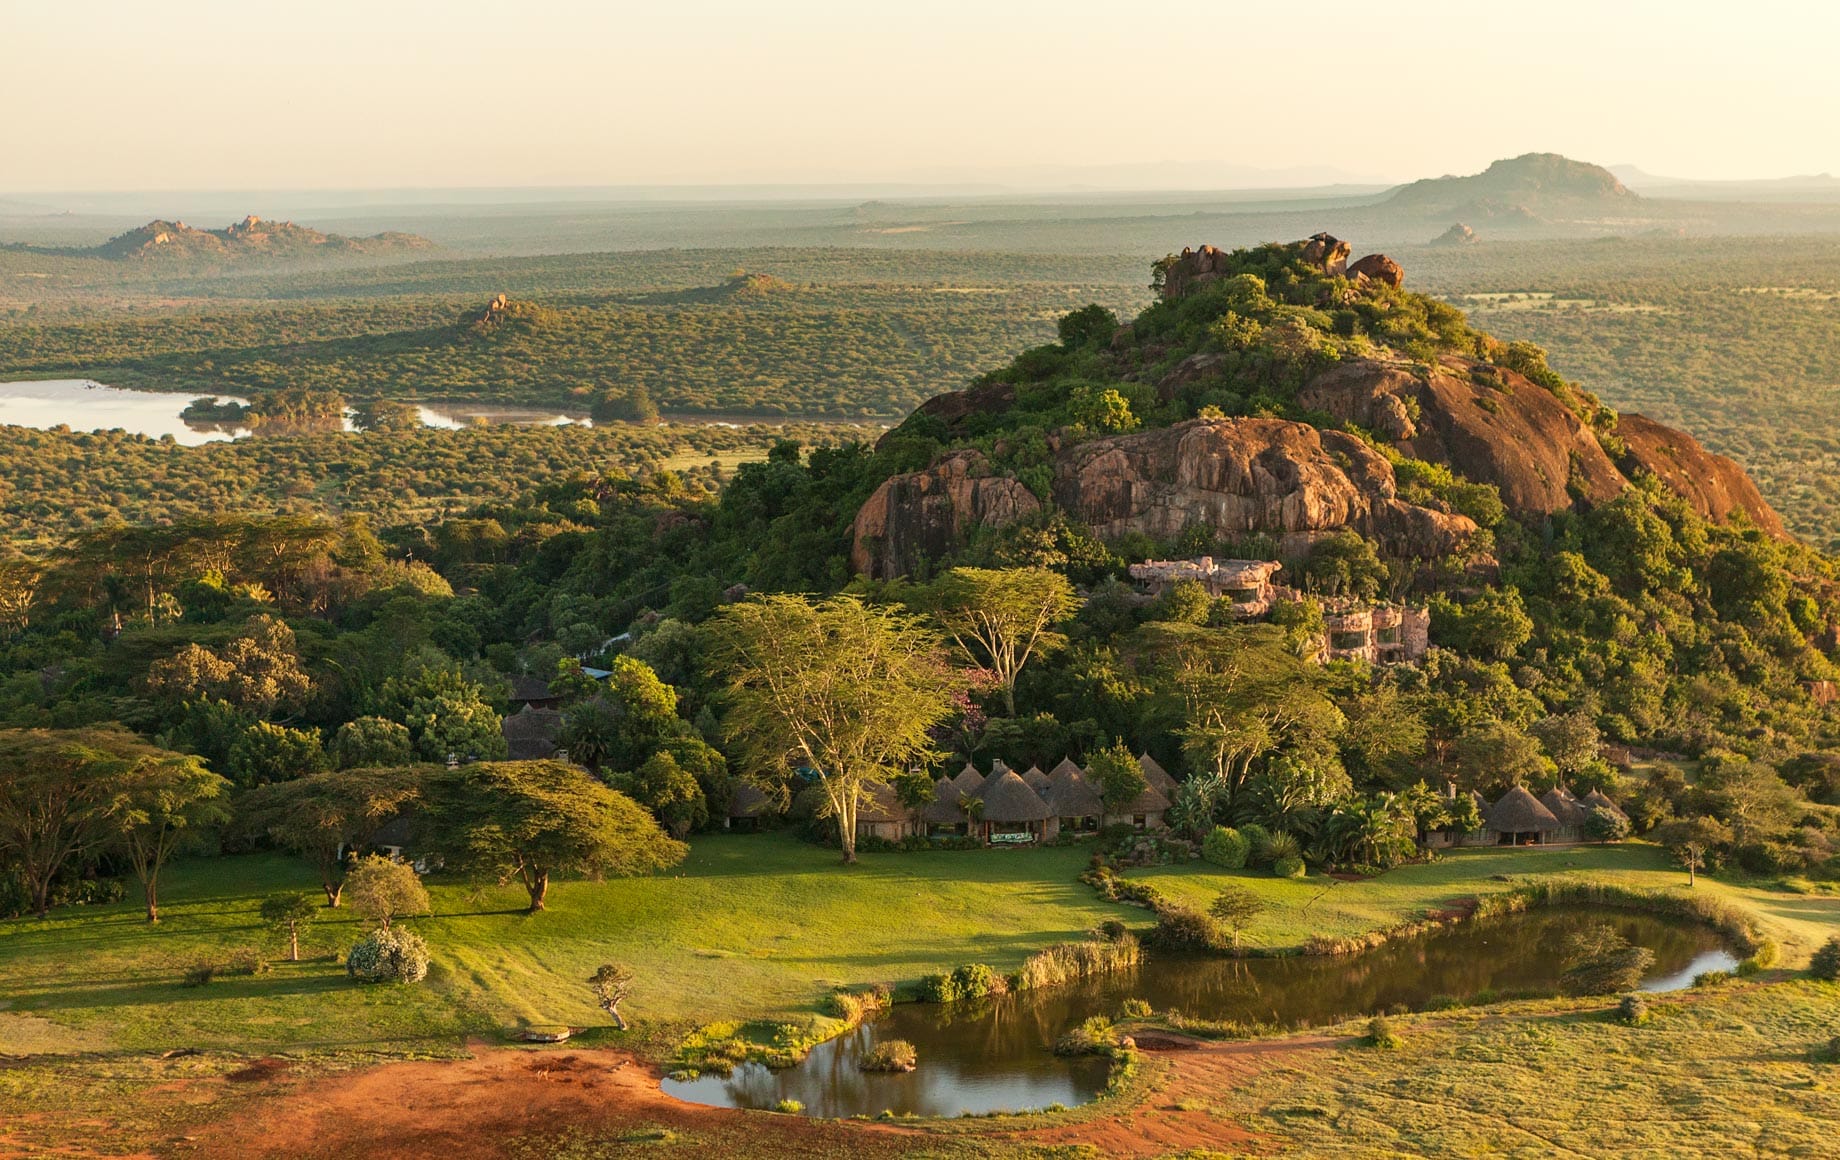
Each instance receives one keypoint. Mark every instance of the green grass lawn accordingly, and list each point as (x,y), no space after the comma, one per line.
(748,926)
(1319,905)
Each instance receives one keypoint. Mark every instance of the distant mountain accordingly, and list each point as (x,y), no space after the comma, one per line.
(1813,186)
(250,238)
(1524,188)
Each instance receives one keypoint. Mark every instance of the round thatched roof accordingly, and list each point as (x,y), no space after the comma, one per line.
(1518,812)
(1564,806)
(1156,775)
(881,804)
(1009,799)
(944,809)
(1597,799)
(530,733)
(1070,795)
(1036,779)
(969,781)
(1066,766)
(1151,801)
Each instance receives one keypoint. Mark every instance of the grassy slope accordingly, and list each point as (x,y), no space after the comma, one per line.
(1318,905)
(750,925)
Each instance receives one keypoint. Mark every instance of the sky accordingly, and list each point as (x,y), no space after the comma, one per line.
(200,94)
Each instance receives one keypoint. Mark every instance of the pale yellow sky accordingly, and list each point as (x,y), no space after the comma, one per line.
(200,94)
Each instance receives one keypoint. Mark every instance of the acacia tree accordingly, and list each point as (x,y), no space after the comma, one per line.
(610,982)
(532,820)
(1003,617)
(289,914)
(162,802)
(327,816)
(1235,907)
(382,889)
(59,790)
(1692,842)
(838,687)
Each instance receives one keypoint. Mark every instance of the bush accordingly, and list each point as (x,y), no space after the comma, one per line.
(890,1055)
(1279,846)
(1633,1010)
(388,956)
(1182,928)
(1289,866)
(198,974)
(1226,847)
(1382,1034)
(1826,962)
(971,981)
(1111,930)
(1767,954)
(1095,1036)
(1135,1009)
(790,1107)
(1828,1052)
(1258,840)
(247,962)
(1070,962)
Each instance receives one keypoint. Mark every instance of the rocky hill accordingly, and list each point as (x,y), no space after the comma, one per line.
(250,238)
(1286,392)
(1525,188)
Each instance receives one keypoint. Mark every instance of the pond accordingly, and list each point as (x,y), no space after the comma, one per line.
(994,1055)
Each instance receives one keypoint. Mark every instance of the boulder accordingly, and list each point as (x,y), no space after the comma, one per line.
(1715,486)
(925,514)
(1487,423)
(1236,476)
(1379,268)
(1328,253)
(956,408)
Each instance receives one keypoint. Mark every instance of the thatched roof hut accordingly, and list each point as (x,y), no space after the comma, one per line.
(881,804)
(1157,776)
(1151,801)
(1597,799)
(969,781)
(1066,766)
(530,733)
(944,809)
(1036,779)
(1564,806)
(1008,800)
(1519,812)
(1070,795)
(998,767)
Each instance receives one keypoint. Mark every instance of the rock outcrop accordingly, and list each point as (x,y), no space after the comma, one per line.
(1487,423)
(926,514)
(1379,268)
(1192,269)
(1714,485)
(1234,476)
(1457,235)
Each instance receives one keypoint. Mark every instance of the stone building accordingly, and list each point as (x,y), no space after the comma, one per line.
(1245,582)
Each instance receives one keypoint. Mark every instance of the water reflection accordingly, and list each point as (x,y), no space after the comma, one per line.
(995,1054)
(82,405)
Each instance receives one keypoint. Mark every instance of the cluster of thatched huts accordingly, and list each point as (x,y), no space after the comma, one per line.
(1518,818)
(1009,808)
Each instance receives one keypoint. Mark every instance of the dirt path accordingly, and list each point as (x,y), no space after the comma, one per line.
(512,1102)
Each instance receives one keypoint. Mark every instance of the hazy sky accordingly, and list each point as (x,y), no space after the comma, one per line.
(197,94)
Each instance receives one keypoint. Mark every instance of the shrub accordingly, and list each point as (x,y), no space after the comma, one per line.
(1182,928)
(1767,954)
(1069,962)
(388,956)
(855,1006)
(890,1055)
(1828,1052)
(1111,930)
(1227,848)
(1749,967)
(247,961)
(1633,1009)
(1258,840)
(1289,866)
(1135,1009)
(1280,846)
(198,974)
(1826,961)
(790,1107)
(1382,1034)
(971,981)
(1095,1036)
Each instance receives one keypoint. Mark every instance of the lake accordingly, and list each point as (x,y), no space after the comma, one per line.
(995,1054)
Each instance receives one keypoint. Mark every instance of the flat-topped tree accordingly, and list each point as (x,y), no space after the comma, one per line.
(1002,617)
(326,816)
(840,688)
(532,820)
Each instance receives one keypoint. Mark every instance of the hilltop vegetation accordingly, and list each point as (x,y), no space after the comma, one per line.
(247,240)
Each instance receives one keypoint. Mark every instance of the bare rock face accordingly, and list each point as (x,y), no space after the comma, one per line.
(1714,485)
(1328,252)
(1457,235)
(953,408)
(928,513)
(1248,475)
(1194,268)
(1379,268)
(1488,423)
